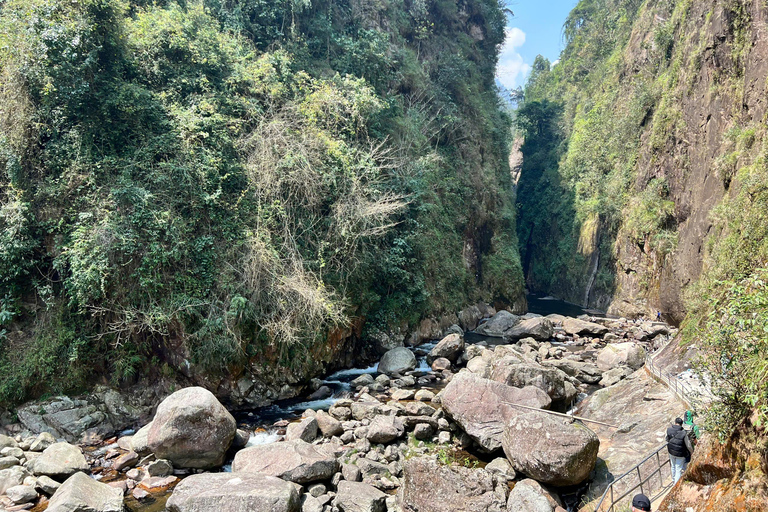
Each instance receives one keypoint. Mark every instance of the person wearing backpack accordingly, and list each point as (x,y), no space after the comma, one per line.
(679,447)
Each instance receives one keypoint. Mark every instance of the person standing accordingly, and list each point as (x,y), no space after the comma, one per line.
(680,449)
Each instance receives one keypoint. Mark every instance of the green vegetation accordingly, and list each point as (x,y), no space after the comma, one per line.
(225,182)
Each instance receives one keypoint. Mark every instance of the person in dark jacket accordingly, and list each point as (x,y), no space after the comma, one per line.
(679,447)
(641,503)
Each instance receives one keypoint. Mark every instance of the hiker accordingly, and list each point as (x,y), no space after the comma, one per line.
(658,316)
(679,447)
(641,503)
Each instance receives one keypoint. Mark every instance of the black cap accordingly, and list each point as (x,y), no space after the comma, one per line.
(641,502)
(679,421)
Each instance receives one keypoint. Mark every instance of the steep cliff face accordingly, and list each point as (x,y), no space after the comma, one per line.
(635,139)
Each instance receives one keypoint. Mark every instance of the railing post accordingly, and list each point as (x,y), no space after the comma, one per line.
(640,479)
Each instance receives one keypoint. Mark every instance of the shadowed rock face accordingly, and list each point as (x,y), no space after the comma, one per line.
(428,486)
(191,429)
(296,461)
(482,407)
(550,449)
(234,492)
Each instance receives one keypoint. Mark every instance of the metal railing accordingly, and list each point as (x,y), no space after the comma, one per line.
(620,491)
(682,391)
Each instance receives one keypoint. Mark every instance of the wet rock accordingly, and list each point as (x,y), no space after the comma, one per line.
(449,348)
(240,440)
(483,407)
(630,354)
(550,449)
(59,461)
(321,393)
(192,429)
(21,494)
(296,461)
(397,360)
(233,492)
(359,497)
(365,379)
(328,425)
(82,493)
(498,325)
(385,429)
(306,430)
(529,496)
(450,488)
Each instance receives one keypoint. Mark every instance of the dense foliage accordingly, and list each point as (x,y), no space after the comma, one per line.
(606,140)
(198,182)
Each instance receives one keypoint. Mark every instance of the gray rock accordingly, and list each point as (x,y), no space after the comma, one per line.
(529,496)
(588,373)
(615,375)
(311,504)
(359,497)
(385,429)
(630,354)
(21,494)
(296,461)
(12,452)
(575,326)
(423,431)
(428,486)
(365,379)
(328,425)
(449,347)
(191,429)
(160,467)
(499,324)
(47,485)
(11,477)
(547,378)
(321,393)
(6,441)
(8,462)
(538,328)
(440,364)
(424,395)
(501,466)
(125,461)
(42,441)
(138,441)
(316,490)
(550,449)
(306,430)
(397,360)
(59,461)
(233,492)
(351,472)
(81,493)
(483,407)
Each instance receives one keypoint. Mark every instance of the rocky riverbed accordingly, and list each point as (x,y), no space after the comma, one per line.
(464,427)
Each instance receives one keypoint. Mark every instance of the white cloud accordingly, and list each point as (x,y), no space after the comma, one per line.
(512,69)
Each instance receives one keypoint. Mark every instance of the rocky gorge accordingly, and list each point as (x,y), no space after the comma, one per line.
(468,422)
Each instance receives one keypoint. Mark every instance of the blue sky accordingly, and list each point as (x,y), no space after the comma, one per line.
(535,29)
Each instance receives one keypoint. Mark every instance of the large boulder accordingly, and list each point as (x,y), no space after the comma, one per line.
(234,492)
(296,461)
(469,317)
(498,324)
(59,461)
(449,347)
(630,354)
(428,486)
(191,429)
(550,449)
(306,430)
(588,373)
(551,380)
(529,496)
(575,326)
(385,429)
(81,493)
(397,360)
(538,328)
(482,407)
(359,497)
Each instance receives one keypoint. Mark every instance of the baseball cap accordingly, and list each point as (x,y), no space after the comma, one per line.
(641,502)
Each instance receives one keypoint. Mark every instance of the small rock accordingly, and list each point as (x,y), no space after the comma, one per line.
(317,490)
(402,394)
(47,485)
(444,437)
(21,494)
(126,460)
(306,430)
(351,472)
(42,441)
(160,467)
(7,462)
(139,493)
(12,452)
(423,431)
(424,395)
